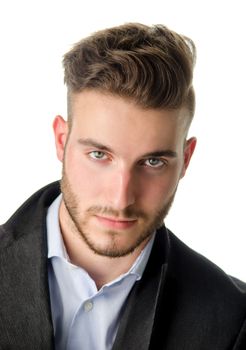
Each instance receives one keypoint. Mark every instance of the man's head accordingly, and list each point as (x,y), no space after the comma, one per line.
(124,148)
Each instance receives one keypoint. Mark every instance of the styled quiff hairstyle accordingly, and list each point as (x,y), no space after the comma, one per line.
(151,65)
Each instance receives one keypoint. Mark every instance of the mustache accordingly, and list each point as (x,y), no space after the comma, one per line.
(127,213)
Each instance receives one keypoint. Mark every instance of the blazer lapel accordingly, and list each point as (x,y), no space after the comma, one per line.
(138,317)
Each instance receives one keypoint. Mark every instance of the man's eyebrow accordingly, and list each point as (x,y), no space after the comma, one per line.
(94,143)
(159,153)
(162,153)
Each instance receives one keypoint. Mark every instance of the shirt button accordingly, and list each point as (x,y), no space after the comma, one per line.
(88,306)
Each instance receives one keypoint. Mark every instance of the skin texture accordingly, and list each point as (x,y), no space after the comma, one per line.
(121,168)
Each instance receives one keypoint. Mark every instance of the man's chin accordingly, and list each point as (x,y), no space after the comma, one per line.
(117,251)
(113,243)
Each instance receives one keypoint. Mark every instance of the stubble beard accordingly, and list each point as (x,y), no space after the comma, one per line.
(113,250)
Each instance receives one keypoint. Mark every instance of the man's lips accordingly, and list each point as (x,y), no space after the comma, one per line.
(116,223)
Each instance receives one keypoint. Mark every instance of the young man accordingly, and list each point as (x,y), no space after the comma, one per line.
(87,263)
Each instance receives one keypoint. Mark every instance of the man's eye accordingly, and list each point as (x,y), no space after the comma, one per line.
(98,155)
(154,162)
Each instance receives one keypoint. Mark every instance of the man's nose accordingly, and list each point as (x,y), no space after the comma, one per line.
(122,189)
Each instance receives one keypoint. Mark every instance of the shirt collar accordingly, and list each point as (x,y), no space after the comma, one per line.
(56,247)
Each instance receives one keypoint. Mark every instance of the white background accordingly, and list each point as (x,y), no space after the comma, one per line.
(209,211)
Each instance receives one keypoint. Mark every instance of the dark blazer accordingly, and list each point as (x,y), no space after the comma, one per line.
(182,302)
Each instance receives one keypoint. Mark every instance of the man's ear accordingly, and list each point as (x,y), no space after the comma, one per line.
(60,128)
(190,146)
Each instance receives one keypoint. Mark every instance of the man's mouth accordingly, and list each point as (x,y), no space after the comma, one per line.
(116,223)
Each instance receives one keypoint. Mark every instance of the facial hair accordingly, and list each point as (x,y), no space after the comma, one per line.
(79,223)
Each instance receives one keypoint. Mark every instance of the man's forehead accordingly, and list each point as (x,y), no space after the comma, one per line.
(98,104)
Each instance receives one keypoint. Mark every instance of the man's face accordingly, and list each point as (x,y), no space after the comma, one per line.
(121,168)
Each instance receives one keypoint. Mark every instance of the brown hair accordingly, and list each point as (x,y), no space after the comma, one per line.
(151,65)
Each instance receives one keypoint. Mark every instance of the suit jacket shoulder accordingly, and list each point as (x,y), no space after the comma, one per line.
(212,304)
(25,316)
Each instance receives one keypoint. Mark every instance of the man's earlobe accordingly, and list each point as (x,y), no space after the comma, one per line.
(60,128)
(188,152)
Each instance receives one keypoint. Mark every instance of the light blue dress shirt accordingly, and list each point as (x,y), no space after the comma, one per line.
(84,318)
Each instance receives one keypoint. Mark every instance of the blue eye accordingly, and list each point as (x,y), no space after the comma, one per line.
(97,155)
(154,162)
